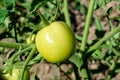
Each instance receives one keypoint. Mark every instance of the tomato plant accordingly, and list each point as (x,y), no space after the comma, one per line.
(55,42)
(96,39)
(14,75)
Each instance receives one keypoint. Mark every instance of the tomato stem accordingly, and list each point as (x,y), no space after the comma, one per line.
(87,24)
(13,45)
(26,62)
(54,18)
(18,53)
(66,13)
(108,36)
(84,68)
(46,23)
(37,59)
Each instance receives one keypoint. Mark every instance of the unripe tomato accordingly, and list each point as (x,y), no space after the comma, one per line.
(14,75)
(30,39)
(55,42)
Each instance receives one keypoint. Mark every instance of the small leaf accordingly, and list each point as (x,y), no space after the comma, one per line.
(107,1)
(83,9)
(9,2)
(78,37)
(2,3)
(37,59)
(44,20)
(101,3)
(2,58)
(77,60)
(3,14)
(119,7)
(77,0)
(117,35)
(36,3)
(117,18)
(98,23)
(98,54)
(117,71)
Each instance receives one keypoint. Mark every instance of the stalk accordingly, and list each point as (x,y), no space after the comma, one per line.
(13,45)
(108,36)
(26,62)
(46,23)
(66,13)
(84,68)
(18,53)
(87,24)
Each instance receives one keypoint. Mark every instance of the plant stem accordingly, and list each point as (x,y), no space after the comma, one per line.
(87,24)
(13,45)
(46,23)
(66,13)
(26,62)
(84,68)
(108,36)
(18,53)
(37,59)
(54,18)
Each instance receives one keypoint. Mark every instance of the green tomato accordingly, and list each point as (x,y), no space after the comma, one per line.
(30,39)
(14,75)
(55,42)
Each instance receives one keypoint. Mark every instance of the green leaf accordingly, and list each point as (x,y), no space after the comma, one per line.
(37,59)
(2,58)
(117,36)
(2,4)
(83,9)
(77,0)
(9,2)
(117,70)
(119,7)
(77,60)
(37,3)
(3,14)
(98,54)
(98,23)
(107,1)
(117,18)
(44,20)
(26,5)
(78,37)
(101,3)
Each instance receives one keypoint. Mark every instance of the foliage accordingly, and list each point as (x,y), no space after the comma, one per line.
(20,19)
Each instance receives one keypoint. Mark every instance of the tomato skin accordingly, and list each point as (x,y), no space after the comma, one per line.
(56,42)
(15,74)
